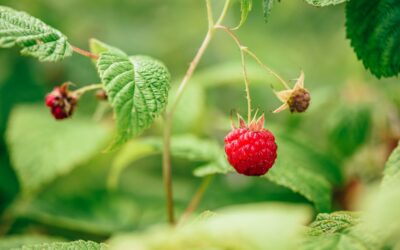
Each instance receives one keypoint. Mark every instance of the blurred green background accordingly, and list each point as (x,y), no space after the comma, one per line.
(351,125)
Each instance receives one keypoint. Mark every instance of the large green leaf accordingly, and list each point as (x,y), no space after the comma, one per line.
(392,169)
(322,3)
(32,35)
(245,8)
(137,88)
(247,227)
(74,245)
(373,26)
(42,149)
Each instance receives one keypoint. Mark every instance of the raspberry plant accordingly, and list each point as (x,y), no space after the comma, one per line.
(137,90)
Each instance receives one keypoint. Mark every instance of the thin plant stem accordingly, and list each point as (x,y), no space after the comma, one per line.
(85,53)
(169,114)
(247,85)
(87,88)
(194,203)
(250,53)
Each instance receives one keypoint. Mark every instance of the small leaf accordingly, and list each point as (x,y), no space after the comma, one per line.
(323,3)
(36,39)
(392,169)
(98,47)
(137,88)
(333,223)
(267,8)
(245,8)
(63,145)
(373,26)
(74,245)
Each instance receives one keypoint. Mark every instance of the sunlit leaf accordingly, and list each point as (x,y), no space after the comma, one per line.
(245,8)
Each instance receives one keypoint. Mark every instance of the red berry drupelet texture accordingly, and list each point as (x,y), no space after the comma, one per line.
(61,102)
(251,150)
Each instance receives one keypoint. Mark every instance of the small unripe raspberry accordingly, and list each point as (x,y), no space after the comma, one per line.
(299,101)
(61,102)
(251,149)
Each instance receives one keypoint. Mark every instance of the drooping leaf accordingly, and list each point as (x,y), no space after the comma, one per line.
(323,3)
(373,26)
(17,241)
(137,88)
(74,245)
(392,169)
(267,8)
(255,227)
(63,145)
(245,8)
(36,39)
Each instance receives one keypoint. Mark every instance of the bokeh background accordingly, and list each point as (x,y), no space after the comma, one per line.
(351,124)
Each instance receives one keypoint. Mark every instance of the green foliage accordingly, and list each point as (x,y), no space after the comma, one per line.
(137,88)
(323,3)
(333,223)
(245,8)
(373,26)
(349,127)
(62,145)
(17,241)
(34,37)
(98,47)
(392,169)
(75,245)
(267,8)
(248,227)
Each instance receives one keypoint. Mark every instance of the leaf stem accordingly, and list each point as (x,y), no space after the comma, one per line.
(168,117)
(85,53)
(194,203)
(87,88)
(250,53)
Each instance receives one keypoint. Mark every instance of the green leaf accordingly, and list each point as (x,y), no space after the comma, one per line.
(338,230)
(74,245)
(17,241)
(392,169)
(323,3)
(333,223)
(36,39)
(349,128)
(98,47)
(137,88)
(275,226)
(267,8)
(373,26)
(245,8)
(63,145)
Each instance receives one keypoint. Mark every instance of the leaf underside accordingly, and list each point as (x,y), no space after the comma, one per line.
(36,38)
(373,26)
(75,245)
(323,3)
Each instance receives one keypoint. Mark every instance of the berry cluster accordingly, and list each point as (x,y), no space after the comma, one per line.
(61,102)
(251,149)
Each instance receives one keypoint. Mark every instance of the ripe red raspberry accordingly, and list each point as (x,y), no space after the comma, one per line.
(251,149)
(61,102)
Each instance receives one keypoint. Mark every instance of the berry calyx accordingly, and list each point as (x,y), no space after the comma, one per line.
(251,149)
(61,102)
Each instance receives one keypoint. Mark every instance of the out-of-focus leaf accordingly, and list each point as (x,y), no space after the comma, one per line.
(338,230)
(275,226)
(267,8)
(323,3)
(43,149)
(98,47)
(137,88)
(74,245)
(36,39)
(373,26)
(392,169)
(17,241)
(349,127)
(245,8)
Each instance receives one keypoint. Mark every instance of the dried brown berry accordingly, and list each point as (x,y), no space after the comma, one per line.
(299,101)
